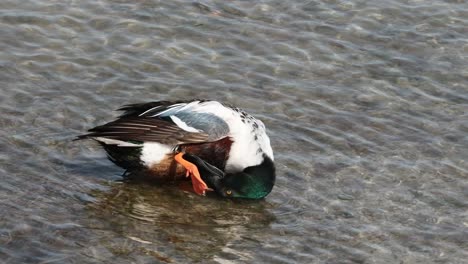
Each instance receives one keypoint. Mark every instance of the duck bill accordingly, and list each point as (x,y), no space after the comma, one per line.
(209,173)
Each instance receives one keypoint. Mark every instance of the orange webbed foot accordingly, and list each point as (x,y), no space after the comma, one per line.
(199,186)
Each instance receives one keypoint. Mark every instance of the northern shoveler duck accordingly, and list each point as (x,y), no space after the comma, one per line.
(222,148)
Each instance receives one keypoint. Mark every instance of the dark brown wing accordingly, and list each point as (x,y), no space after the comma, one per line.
(146,129)
(132,110)
(151,108)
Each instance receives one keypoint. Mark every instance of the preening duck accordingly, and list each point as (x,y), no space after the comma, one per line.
(221,148)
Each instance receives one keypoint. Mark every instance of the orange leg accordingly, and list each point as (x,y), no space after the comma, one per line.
(199,186)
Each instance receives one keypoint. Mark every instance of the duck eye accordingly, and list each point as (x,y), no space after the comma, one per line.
(228,192)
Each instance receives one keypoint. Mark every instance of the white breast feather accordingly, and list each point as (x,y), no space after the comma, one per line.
(245,149)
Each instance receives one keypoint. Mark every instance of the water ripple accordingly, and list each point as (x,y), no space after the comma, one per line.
(365,103)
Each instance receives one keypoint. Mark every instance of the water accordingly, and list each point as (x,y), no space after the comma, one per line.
(365,102)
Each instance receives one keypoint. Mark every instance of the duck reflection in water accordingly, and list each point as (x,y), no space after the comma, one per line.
(175,226)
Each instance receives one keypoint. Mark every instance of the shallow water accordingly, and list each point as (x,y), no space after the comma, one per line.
(365,101)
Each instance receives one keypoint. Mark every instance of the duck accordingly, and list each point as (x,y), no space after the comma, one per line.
(222,148)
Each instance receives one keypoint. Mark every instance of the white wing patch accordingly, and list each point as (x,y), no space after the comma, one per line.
(183,125)
(109,141)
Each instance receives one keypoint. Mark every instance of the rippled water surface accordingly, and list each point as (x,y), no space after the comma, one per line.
(366,103)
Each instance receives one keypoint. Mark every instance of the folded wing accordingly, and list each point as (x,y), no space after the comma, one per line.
(172,123)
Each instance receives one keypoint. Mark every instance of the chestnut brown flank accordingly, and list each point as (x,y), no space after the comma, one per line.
(215,153)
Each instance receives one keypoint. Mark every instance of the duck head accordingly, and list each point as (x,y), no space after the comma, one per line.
(253,182)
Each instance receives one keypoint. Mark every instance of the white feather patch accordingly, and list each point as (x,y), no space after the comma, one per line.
(183,125)
(109,141)
(153,153)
